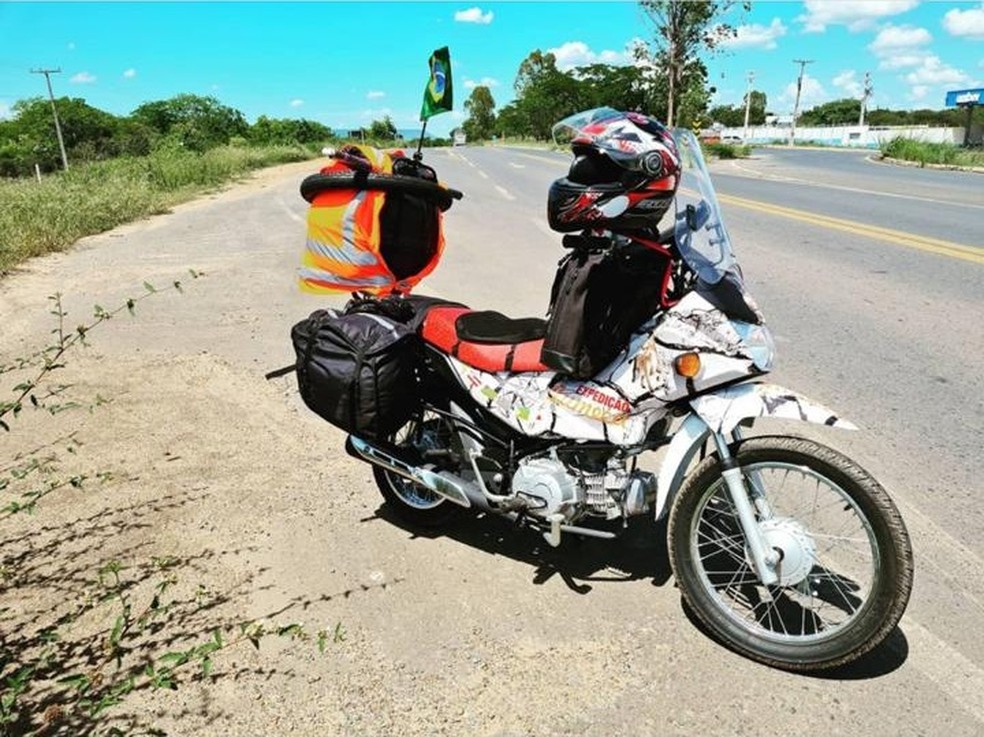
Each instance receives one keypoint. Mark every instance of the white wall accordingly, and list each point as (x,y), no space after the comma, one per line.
(847,135)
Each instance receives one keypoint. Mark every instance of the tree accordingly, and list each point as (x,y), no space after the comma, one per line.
(683,30)
(30,138)
(480,107)
(727,115)
(273,131)
(837,112)
(383,130)
(197,123)
(544,94)
(620,87)
(756,110)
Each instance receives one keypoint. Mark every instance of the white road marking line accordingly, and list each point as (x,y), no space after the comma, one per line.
(293,215)
(954,673)
(755,174)
(514,165)
(504,192)
(482,174)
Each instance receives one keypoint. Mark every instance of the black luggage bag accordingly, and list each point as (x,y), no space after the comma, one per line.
(600,296)
(357,371)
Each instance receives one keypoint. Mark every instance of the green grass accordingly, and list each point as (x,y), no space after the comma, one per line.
(38,218)
(726,150)
(908,149)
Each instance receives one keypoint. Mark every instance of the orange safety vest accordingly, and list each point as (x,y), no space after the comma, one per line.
(342,252)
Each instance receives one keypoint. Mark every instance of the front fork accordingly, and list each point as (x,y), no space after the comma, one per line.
(748,502)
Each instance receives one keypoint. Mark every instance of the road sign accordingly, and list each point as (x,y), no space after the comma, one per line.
(965,97)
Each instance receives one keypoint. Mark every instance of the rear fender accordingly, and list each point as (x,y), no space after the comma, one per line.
(721,412)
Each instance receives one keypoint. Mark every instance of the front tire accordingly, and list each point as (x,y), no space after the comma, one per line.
(846,560)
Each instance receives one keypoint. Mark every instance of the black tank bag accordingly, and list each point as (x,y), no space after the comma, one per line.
(357,371)
(599,298)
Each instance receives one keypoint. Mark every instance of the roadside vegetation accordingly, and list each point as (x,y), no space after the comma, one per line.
(46,216)
(925,153)
(726,150)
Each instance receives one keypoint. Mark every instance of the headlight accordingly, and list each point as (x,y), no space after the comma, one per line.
(759,343)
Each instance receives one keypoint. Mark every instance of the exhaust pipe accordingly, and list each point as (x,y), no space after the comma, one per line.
(453,488)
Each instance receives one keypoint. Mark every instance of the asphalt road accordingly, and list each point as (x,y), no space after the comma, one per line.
(483,630)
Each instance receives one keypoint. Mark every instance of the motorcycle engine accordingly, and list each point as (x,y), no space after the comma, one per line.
(601,487)
(548,488)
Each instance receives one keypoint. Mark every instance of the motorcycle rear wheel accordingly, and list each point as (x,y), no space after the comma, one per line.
(845,556)
(410,501)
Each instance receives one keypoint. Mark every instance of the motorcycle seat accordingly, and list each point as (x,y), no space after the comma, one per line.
(487,340)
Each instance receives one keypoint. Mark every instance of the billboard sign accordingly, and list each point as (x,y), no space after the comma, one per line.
(965,97)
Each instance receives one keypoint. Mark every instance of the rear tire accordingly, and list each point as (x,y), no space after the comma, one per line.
(848,572)
(411,502)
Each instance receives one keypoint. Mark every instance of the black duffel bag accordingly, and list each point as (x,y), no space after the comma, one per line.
(357,370)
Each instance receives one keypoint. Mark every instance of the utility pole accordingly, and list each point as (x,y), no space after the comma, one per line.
(799,88)
(868,90)
(51,95)
(748,104)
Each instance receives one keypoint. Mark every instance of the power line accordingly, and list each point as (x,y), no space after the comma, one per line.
(54,111)
(799,88)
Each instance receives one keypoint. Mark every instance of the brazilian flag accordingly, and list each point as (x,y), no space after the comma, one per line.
(437,94)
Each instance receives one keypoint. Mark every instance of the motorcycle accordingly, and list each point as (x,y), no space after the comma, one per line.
(786,550)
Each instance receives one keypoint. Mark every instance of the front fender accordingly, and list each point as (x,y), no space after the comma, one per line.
(721,412)
(724,410)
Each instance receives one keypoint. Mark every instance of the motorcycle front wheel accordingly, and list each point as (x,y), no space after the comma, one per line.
(845,560)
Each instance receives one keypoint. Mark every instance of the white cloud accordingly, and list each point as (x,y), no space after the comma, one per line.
(898,47)
(756,36)
(918,92)
(965,23)
(375,94)
(891,39)
(130,74)
(4,110)
(934,72)
(578,54)
(857,15)
(474,15)
(483,82)
(812,93)
(901,61)
(82,78)
(849,83)
(296,102)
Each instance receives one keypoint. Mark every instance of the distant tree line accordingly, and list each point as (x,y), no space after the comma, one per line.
(189,122)
(846,111)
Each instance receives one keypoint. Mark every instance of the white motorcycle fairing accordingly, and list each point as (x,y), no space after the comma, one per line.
(722,411)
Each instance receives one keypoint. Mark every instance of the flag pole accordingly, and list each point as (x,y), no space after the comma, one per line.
(419,156)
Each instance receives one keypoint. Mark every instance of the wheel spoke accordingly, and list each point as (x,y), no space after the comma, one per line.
(820,526)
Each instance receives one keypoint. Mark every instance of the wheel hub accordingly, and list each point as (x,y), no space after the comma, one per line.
(795,547)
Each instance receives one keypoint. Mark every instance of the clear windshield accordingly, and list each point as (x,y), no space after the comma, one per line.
(698,227)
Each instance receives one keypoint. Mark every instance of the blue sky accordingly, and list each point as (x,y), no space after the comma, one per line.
(346,64)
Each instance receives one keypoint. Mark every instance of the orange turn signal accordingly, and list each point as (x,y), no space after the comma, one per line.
(687,365)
